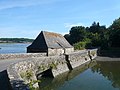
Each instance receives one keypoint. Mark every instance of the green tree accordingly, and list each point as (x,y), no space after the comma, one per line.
(114,32)
(86,43)
(77,34)
(98,35)
(94,28)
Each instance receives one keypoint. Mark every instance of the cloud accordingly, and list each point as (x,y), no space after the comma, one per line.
(70,25)
(14,32)
(7,4)
(18,3)
(63,33)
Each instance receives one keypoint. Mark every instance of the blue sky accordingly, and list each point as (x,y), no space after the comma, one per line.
(26,18)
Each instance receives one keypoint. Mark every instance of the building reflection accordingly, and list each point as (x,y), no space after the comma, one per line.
(54,83)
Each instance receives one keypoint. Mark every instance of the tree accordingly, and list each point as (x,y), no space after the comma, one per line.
(114,33)
(94,28)
(98,35)
(77,34)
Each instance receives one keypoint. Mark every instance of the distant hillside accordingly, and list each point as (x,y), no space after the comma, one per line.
(15,40)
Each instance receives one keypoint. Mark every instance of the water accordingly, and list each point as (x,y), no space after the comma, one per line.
(99,76)
(93,76)
(13,48)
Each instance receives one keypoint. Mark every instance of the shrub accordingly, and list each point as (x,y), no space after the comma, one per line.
(86,43)
(79,45)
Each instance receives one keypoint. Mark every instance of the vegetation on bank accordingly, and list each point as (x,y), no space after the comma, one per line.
(95,36)
(15,40)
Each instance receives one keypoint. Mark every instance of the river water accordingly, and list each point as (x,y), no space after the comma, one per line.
(13,48)
(99,76)
(92,76)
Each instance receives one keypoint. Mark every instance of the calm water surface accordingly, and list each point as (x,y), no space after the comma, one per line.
(13,48)
(93,76)
(102,76)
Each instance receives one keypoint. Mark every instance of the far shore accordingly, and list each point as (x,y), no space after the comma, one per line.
(105,58)
(15,42)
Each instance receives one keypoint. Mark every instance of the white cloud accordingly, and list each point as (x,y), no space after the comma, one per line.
(13,32)
(63,33)
(18,3)
(70,25)
(6,4)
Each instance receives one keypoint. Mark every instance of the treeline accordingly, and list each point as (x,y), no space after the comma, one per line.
(15,40)
(95,36)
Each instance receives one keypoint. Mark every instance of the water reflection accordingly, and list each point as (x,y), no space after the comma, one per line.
(110,70)
(55,83)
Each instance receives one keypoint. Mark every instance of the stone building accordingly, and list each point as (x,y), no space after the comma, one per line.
(51,44)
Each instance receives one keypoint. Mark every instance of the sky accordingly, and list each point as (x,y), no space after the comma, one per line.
(27,18)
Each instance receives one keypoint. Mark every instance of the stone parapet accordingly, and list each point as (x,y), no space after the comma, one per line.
(21,55)
(34,67)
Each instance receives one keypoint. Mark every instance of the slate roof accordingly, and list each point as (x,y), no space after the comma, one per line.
(50,40)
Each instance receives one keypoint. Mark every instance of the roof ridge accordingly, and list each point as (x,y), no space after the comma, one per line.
(52,33)
(43,32)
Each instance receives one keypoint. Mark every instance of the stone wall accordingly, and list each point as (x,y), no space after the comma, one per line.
(76,59)
(21,55)
(52,52)
(59,51)
(69,50)
(34,67)
(93,53)
(29,70)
